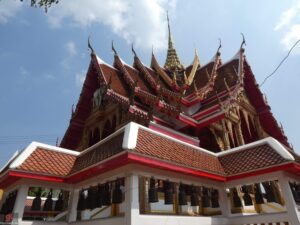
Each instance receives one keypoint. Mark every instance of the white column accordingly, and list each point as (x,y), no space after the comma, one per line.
(224,202)
(132,210)
(20,202)
(73,206)
(290,203)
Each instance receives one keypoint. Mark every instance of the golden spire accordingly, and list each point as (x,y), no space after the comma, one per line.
(172,61)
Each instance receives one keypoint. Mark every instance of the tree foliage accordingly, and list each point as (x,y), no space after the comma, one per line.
(42,3)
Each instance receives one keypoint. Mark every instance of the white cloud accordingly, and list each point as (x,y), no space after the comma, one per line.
(23,72)
(79,78)
(289,25)
(71,48)
(8,9)
(49,76)
(286,18)
(142,22)
(71,51)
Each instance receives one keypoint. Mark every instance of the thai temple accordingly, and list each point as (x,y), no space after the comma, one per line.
(160,145)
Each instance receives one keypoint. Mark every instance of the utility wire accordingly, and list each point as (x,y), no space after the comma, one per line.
(264,81)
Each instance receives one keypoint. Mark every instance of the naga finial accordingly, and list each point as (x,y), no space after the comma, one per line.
(220,45)
(113,48)
(243,42)
(90,46)
(133,51)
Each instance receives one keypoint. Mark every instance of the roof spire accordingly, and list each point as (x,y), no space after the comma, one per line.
(170,42)
(172,61)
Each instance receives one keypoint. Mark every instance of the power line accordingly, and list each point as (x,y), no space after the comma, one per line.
(264,81)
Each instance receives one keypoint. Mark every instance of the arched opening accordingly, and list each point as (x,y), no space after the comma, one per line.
(107,129)
(90,143)
(96,136)
(114,123)
(245,129)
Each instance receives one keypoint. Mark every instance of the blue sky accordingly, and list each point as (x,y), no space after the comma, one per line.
(44,57)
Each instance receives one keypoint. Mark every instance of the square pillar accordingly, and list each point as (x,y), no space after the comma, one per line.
(72,216)
(132,210)
(290,203)
(20,202)
(224,202)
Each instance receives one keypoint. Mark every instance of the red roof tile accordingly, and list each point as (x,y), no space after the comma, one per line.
(48,162)
(162,148)
(250,159)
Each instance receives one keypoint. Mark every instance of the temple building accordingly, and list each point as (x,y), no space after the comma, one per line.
(155,144)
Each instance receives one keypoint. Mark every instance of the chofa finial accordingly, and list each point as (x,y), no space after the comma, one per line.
(133,51)
(243,42)
(113,48)
(220,45)
(90,46)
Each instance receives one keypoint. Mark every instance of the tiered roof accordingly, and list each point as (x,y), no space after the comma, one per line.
(151,92)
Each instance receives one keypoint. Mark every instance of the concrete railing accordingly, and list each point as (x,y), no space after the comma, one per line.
(260,219)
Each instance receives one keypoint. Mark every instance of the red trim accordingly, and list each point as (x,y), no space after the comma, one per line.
(101,168)
(175,135)
(35,176)
(7,181)
(171,167)
(262,171)
(207,111)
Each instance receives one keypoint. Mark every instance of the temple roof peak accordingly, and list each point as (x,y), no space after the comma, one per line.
(172,61)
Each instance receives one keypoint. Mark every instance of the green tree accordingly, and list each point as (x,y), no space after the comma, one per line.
(42,3)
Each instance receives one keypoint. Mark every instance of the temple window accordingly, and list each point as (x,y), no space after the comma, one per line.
(101,201)
(45,204)
(166,197)
(256,198)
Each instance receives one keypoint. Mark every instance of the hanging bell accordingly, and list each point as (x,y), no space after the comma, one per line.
(98,196)
(48,206)
(117,195)
(106,195)
(152,192)
(168,193)
(297,190)
(81,205)
(15,193)
(59,204)
(188,189)
(258,195)
(270,195)
(182,199)
(205,197)
(247,198)
(3,208)
(215,198)
(295,195)
(36,203)
(91,198)
(236,199)
(194,196)
(9,205)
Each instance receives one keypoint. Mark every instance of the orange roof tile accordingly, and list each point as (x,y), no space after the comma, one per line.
(48,162)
